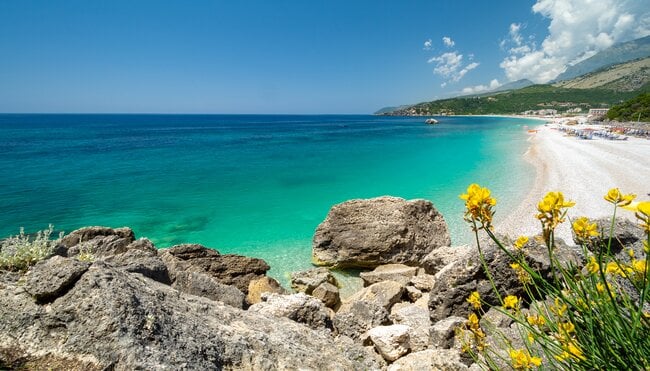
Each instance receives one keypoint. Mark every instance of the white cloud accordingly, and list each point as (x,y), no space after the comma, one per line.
(578,29)
(481,88)
(447,64)
(448,41)
(443,84)
(465,70)
(427,45)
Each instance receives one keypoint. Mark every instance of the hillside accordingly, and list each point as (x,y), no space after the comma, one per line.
(635,109)
(628,76)
(619,53)
(536,97)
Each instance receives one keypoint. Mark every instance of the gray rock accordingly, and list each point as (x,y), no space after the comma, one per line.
(98,241)
(383,230)
(430,359)
(113,319)
(417,318)
(298,307)
(359,317)
(391,341)
(627,235)
(200,284)
(228,269)
(456,281)
(51,278)
(494,318)
(384,294)
(423,281)
(307,281)
(389,272)
(261,285)
(141,260)
(328,294)
(413,293)
(442,256)
(443,332)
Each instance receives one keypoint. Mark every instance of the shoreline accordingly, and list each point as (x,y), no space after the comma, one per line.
(583,170)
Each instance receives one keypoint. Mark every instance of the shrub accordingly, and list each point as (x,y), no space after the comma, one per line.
(17,253)
(594,318)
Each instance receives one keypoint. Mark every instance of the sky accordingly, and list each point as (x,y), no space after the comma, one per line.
(313,57)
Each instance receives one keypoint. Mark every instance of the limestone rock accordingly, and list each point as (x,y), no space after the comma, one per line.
(443,332)
(391,341)
(139,259)
(455,282)
(389,272)
(417,318)
(444,255)
(423,281)
(50,278)
(384,294)
(228,269)
(627,235)
(358,317)
(200,284)
(328,294)
(261,285)
(494,318)
(99,241)
(431,359)
(307,281)
(383,230)
(113,319)
(413,293)
(298,307)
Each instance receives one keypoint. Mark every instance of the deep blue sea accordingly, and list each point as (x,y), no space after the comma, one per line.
(256,185)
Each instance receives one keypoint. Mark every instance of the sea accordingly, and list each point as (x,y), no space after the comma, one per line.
(255,185)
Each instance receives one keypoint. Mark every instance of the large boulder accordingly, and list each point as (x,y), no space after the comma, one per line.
(141,257)
(299,307)
(228,269)
(383,230)
(626,235)
(98,241)
(457,280)
(113,319)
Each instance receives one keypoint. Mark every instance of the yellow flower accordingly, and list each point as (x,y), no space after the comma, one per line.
(646,248)
(600,287)
(510,301)
(478,205)
(522,275)
(521,241)
(536,320)
(617,198)
(639,266)
(552,210)
(614,268)
(584,230)
(643,214)
(559,308)
(521,359)
(592,266)
(567,327)
(630,252)
(475,300)
(472,321)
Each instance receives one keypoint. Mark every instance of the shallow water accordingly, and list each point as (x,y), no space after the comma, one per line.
(250,184)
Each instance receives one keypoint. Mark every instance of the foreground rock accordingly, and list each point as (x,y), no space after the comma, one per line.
(368,233)
(389,272)
(455,281)
(392,341)
(113,319)
(228,269)
(298,307)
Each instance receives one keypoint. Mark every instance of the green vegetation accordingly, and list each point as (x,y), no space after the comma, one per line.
(637,108)
(17,253)
(535,97)
(595,318)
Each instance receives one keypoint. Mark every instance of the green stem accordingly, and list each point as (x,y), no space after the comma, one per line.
(485,267)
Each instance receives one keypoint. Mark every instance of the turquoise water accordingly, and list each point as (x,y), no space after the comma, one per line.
(256,185)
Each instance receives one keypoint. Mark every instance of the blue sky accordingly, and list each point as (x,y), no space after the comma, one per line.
(289,56)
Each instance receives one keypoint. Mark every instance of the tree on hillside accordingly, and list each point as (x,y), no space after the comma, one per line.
(637,108)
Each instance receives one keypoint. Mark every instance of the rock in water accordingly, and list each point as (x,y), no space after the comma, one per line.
(383,230)
(113,319)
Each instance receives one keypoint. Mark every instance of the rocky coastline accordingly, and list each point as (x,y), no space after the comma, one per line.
(133,306)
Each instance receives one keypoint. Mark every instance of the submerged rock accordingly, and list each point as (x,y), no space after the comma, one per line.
(383,230)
